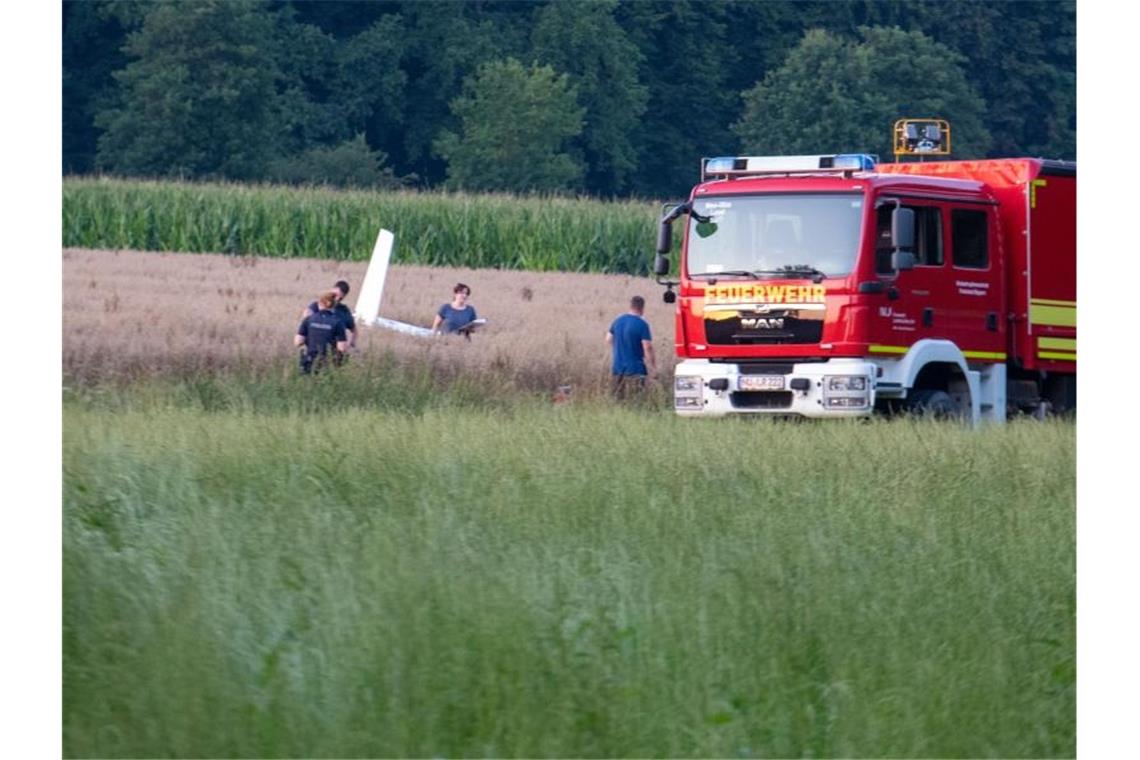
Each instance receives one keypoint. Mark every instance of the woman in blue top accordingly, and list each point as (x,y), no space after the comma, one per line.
(457,314)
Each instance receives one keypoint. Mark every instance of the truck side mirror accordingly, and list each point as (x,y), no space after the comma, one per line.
(664,238)
(660,265)
(902,228)
(669,296)
(902,261)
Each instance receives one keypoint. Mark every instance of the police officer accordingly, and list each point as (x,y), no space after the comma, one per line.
(340,289)
(321,334)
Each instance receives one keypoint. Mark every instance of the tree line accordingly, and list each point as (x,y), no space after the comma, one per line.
(599,97)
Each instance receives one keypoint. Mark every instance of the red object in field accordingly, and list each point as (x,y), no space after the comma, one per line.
(1037,201)
(948,284)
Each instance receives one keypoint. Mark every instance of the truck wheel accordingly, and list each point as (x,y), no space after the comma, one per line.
(928,402)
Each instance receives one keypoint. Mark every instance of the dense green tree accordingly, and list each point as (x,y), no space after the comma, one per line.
(515,124)
(447,40)
(687,60)
(1022,59)
(199,98)
(585,41)
(370,84)
(832,95)
(92,38)
(350,164)
(309,112)
(215,88)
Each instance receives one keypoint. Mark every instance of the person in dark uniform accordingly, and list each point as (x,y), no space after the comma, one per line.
(342,311)
(321,334)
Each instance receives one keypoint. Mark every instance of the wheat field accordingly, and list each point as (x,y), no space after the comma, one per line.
(131,314)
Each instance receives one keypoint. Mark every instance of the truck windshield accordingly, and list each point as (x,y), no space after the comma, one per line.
(772,235)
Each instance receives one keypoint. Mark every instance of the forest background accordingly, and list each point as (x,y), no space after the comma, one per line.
(602,98)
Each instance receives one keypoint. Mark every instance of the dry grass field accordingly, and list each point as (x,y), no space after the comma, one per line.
(129,314)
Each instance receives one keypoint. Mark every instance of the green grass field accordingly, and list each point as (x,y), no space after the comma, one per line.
(287,570)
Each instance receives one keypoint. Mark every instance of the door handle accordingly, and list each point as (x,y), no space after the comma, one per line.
(928,316)
(992,321)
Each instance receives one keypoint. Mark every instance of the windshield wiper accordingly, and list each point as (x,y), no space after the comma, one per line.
(714,276)
(816,275)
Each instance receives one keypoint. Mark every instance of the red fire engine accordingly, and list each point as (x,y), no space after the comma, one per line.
(829,286)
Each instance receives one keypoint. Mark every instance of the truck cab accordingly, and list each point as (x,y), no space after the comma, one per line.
(821,286)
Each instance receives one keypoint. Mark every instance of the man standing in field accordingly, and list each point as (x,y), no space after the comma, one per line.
(342,312)
(632,350)
(320,334)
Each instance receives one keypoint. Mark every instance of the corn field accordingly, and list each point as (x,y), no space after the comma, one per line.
(538,233)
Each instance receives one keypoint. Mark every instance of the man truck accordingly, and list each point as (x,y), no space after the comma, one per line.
(832,286)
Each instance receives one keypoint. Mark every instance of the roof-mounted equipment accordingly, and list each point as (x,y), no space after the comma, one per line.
(921,137)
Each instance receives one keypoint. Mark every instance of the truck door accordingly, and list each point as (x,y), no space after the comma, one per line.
(910,313)
(974,300)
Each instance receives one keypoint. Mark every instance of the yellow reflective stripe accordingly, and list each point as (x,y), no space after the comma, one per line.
(1056,316)
(1033,191)
(1052,302)
(877,349)
(1057,355)
(1065,344)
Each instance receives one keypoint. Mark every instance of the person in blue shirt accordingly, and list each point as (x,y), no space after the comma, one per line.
(320,335)
(453,317)
(632,344)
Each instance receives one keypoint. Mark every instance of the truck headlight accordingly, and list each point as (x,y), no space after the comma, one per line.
(687,385)
(843,383)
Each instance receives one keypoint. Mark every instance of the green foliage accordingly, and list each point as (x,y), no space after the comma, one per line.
(832,95)
(686,67)
(350,164)
(199,98)
(447,40)
(585,41)
(510,232)
(514,127)
(331,583)
(370,85)
(221,89)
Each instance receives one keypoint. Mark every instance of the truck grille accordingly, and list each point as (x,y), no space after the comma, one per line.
(742,330)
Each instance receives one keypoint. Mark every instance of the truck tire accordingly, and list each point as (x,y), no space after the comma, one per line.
(929,402)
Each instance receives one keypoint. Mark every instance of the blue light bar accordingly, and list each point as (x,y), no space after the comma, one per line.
(756,165)
(857,162)
(721,164)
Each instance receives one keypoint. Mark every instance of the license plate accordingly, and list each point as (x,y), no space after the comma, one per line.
(761,383)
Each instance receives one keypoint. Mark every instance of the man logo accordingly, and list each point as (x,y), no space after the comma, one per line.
(760,323)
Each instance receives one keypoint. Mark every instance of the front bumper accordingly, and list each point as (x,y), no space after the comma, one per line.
(834,388)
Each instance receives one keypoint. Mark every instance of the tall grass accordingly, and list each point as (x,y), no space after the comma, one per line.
(437,229)
(586,581)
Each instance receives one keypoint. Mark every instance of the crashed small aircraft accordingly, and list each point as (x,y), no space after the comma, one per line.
(368,302)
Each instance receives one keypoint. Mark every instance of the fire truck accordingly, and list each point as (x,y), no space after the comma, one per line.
(836,286)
